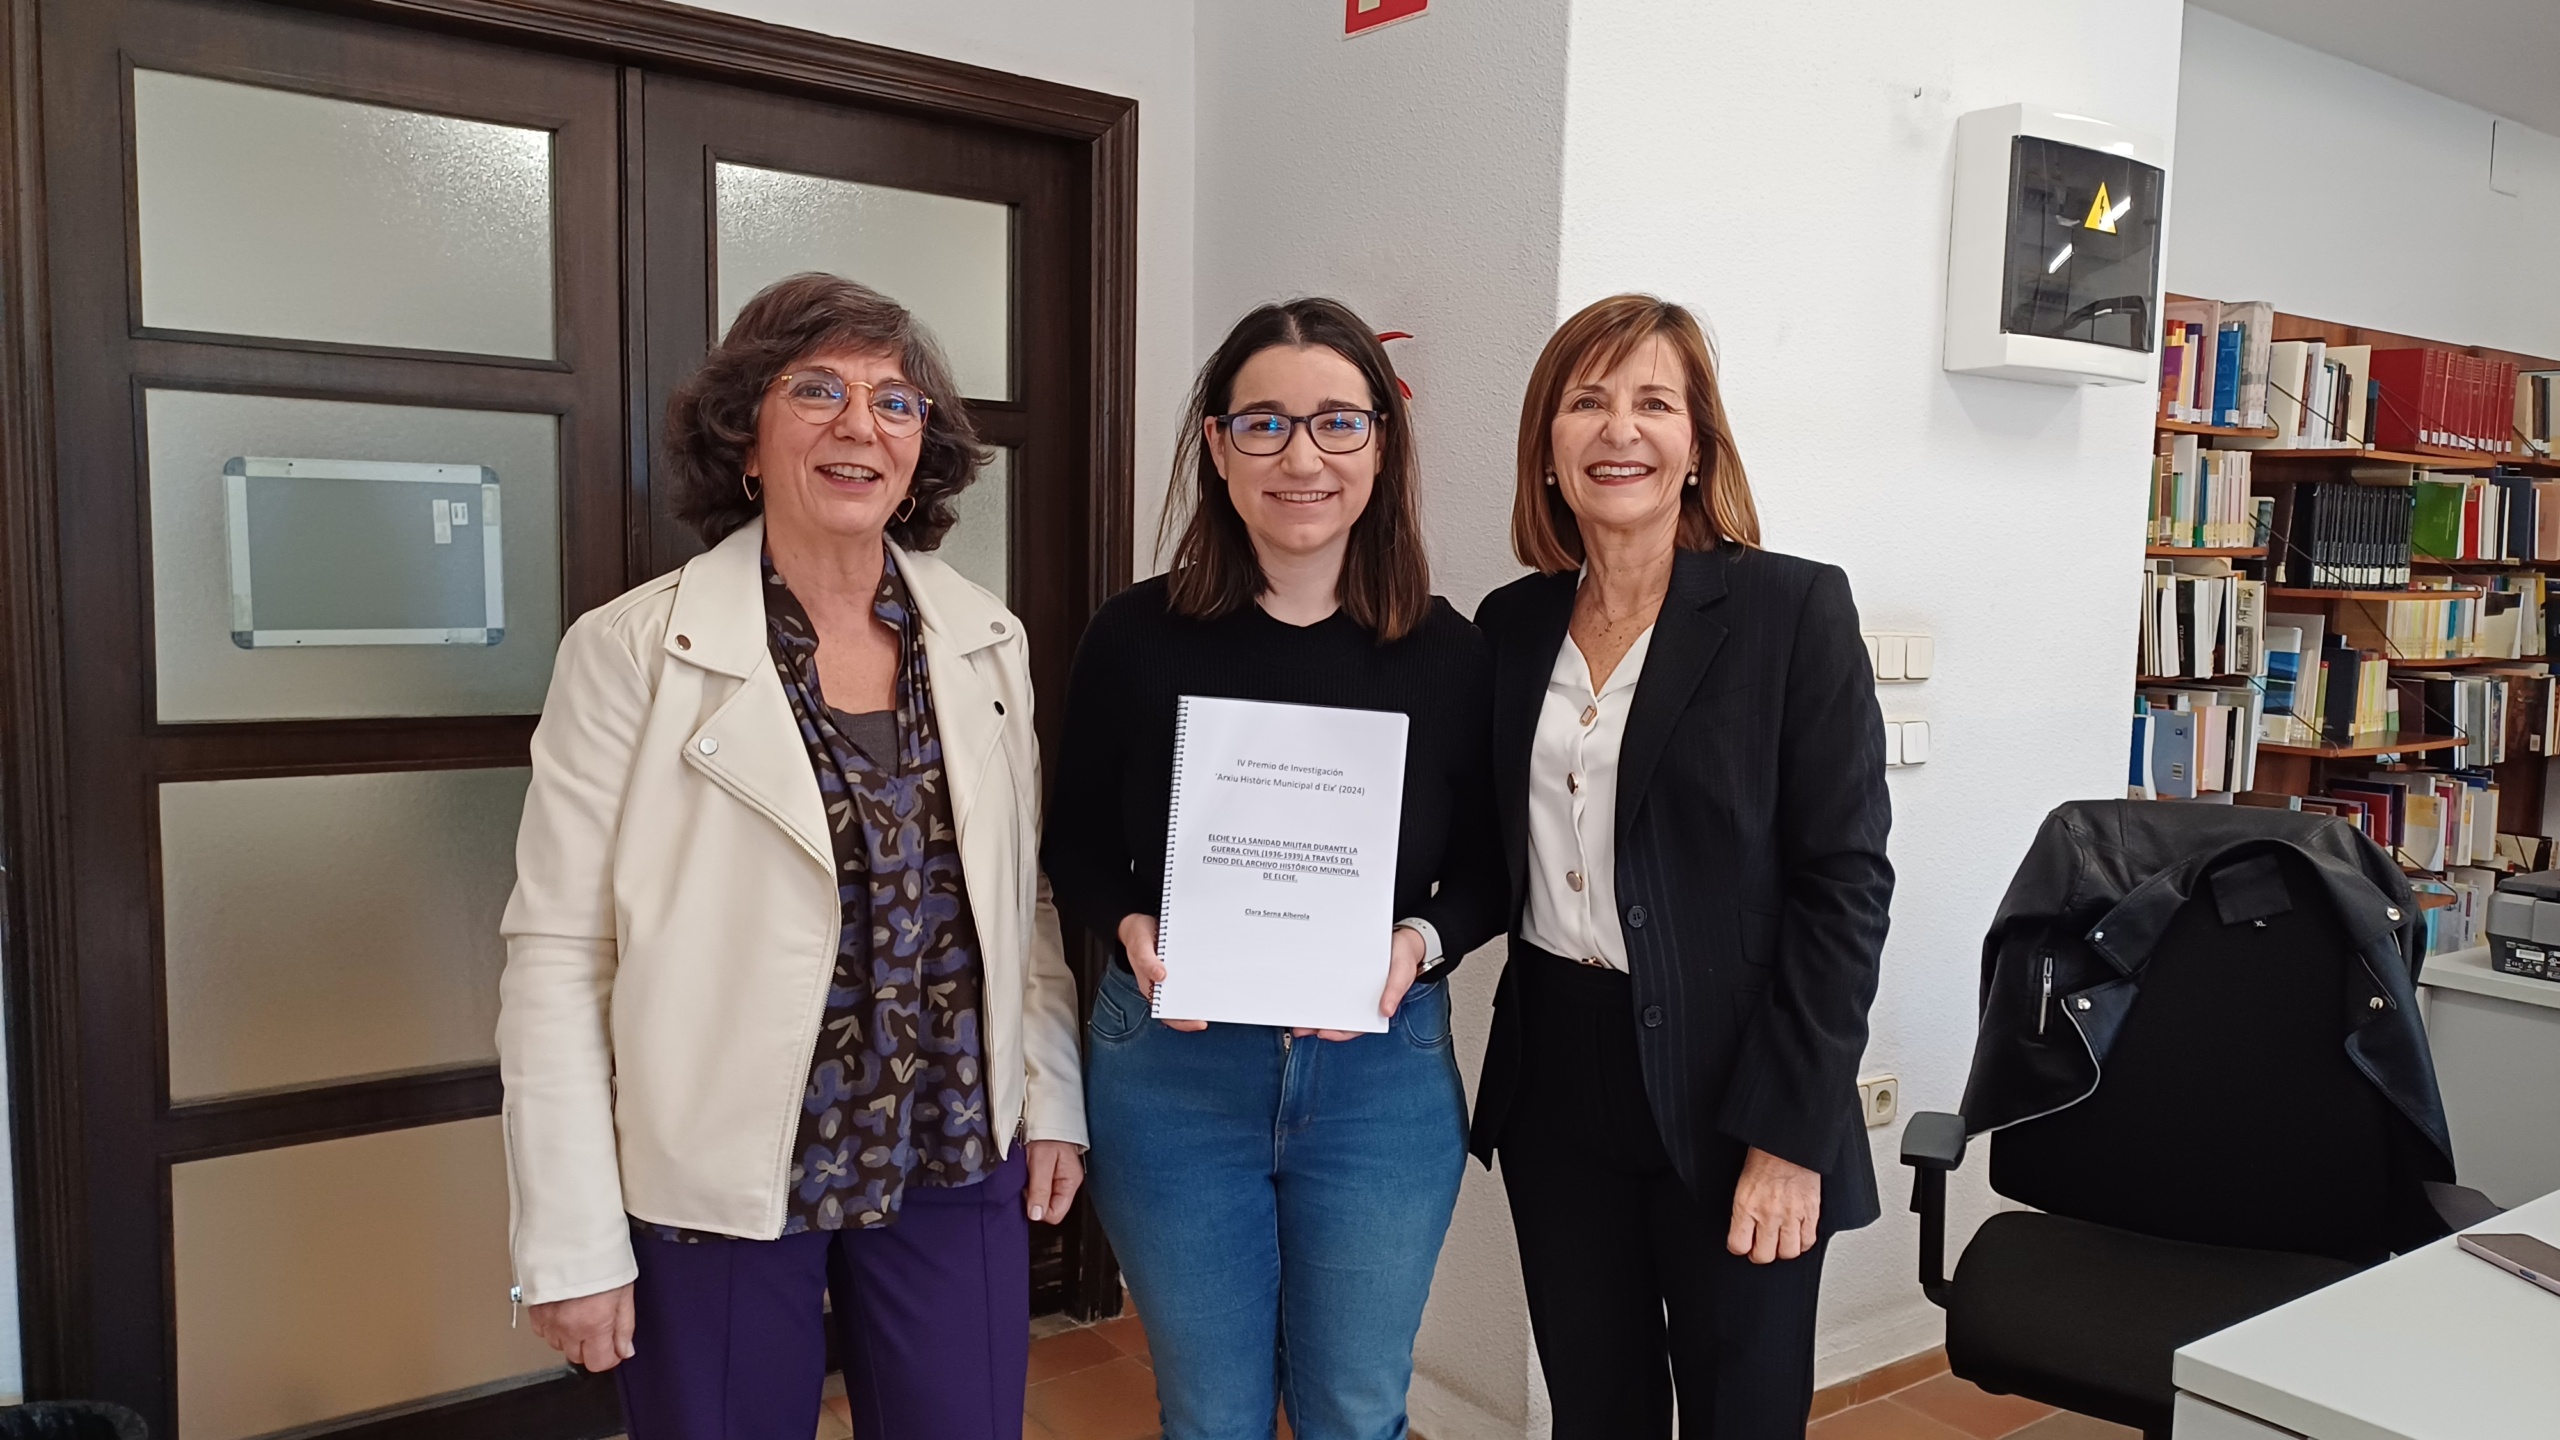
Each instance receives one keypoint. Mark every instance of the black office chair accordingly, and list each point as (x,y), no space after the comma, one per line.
(2232,1158)
(71,1420)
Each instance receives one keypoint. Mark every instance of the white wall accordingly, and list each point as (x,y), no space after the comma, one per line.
(2395,227)
(1786,170)
(1141,49)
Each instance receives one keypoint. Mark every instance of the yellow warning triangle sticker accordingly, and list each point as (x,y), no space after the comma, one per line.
(2102,212)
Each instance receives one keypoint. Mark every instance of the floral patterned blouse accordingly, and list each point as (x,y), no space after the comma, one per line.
(897,1092)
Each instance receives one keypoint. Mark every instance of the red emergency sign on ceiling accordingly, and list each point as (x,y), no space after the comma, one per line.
(1359,17)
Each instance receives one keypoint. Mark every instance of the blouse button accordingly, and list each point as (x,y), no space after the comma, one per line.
(1572,783)
(707,745)
(999,707)
(996,625)
(1590,713)
(1573,881)
(684,642)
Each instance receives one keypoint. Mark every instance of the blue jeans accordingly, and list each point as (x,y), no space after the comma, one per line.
(1277,1206)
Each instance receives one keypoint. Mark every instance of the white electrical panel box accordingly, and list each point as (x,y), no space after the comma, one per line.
(2053,250)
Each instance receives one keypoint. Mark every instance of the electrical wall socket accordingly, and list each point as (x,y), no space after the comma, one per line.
(1880,1096)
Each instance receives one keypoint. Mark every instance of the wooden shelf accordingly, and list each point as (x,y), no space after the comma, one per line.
(2187,427)
(2424,459)
(2404,745)
(2312,592)
(2204,552)
(2428,562)
(2224,681)
(2428,900)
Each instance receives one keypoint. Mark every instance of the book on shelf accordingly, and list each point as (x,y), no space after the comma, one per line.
(2342,536)
(2192,742)
(2316,393)
(2201,619)
(2200,498)
(2501,516)
(2538,412)
(2214,359)
(2432,397)
(2293,647)
(2416,629)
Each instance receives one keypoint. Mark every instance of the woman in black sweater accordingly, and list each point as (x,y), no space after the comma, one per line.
(1277,1199)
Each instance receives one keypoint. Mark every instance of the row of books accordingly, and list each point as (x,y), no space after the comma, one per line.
(2195,740)
(2200,620)
(2213,362)
(2341,536)
(2443,398)
(2318,394)
(2484,517)
(2430,819)
(2200,498)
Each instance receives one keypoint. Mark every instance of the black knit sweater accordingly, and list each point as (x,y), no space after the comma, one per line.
(1104,842)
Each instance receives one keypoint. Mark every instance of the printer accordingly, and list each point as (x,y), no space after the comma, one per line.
(2524,926)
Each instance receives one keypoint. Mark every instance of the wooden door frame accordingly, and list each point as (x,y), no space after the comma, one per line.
(41,978)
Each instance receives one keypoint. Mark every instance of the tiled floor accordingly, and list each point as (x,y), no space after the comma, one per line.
(1094,1383)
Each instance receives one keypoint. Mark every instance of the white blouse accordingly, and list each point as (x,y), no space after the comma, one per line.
(1573,808)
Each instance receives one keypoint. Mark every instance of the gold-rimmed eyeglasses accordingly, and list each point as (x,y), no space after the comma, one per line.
(819,396)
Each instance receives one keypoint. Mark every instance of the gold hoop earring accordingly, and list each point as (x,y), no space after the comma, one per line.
(747,483)
(904,511)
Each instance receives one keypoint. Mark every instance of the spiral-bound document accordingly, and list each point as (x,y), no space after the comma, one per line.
(1280,864)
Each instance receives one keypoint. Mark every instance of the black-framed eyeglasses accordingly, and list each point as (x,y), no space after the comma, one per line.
(819,396)
(1336,432)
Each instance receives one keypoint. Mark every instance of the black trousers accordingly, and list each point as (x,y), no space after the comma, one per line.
(1632,1294)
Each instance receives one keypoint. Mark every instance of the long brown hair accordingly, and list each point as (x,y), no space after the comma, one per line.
(711,417)
(1544,534)
(1386,579)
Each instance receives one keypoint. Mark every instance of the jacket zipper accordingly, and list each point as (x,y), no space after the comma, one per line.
(2044,998)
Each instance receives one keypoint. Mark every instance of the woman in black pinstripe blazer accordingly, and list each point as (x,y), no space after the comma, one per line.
(1690,770)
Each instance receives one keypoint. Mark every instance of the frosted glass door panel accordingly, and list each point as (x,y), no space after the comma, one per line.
(323,1280)
(325,927)
(267,212)
(204,675)
(948,260)
(980,546)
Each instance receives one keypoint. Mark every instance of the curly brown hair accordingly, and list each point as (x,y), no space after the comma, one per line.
(711,417)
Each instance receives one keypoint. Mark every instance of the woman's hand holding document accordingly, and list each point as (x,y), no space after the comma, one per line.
(1280,864)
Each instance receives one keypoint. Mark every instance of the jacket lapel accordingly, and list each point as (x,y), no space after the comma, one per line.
(751,746)
(1521,668)
(1685,641)
(958,620)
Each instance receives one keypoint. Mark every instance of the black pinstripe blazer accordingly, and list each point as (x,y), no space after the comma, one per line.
(1752,879)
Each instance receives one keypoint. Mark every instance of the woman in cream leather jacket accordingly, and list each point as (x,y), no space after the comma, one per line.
(785,1008)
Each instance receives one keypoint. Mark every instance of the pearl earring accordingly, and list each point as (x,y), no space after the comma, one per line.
(1551,477)
(1693,477)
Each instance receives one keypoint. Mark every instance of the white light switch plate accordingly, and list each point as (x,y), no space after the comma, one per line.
(1900,656)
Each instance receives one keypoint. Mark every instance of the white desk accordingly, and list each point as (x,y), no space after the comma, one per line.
(2496,1040)
(2435,1345)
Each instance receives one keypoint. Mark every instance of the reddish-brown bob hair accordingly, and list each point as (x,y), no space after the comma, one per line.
(1544,533)
(1386,579)
(711,417)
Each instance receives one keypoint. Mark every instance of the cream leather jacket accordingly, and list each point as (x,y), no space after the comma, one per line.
(675,918)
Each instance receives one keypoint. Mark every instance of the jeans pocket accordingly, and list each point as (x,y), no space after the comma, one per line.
(1424,1016)
(1119,1010)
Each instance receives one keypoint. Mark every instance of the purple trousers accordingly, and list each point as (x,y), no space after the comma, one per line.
(932,1315)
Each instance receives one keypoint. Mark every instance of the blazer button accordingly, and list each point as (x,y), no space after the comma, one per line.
(684,642)
(707,745)
(1653,1017)
(1635,917)
(999,707)
(996,625)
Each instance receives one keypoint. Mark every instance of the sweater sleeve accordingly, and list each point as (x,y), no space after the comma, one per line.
(1468,907)
(1081,845)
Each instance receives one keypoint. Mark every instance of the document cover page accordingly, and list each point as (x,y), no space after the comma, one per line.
(1279,877)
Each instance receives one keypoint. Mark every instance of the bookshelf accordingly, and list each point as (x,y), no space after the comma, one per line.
(2310,489)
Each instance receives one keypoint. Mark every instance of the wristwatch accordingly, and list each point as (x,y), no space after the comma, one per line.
(1432,956)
